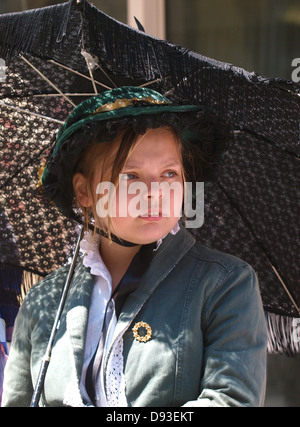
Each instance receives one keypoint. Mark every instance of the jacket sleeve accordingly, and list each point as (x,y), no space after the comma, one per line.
(235,342)
(17,387)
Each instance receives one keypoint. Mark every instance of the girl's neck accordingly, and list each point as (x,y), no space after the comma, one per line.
(116,258)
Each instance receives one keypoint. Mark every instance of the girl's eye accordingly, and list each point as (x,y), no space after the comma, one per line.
(127,176)
(170,174)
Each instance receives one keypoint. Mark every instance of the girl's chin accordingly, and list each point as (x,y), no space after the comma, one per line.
(147,232)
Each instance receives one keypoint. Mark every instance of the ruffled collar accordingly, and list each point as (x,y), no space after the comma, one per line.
(89,245)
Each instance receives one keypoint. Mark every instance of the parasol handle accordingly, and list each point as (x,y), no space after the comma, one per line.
(46,359)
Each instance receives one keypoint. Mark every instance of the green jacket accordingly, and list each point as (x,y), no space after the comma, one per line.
(208,345)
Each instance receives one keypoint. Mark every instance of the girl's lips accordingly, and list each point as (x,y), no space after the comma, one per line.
(152,217)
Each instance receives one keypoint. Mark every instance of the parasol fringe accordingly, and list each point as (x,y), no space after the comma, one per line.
(128,52)
(283,334)
(52,19)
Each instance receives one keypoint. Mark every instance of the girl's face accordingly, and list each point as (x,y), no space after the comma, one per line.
(145,212)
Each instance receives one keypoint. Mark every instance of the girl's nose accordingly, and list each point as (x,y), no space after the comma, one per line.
(154,191)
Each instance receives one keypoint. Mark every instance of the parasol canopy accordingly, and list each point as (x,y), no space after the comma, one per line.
(57,56)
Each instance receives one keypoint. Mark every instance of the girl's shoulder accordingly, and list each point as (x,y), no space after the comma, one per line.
(220,259)
(53,280)
(50,287)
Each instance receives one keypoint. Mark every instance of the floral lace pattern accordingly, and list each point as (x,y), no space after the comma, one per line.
(115,378)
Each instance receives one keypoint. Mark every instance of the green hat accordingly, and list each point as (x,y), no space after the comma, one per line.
(110,106)
(116,103)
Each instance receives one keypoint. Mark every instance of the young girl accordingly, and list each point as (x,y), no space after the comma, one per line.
(152,318)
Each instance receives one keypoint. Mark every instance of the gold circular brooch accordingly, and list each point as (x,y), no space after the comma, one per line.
(136,334)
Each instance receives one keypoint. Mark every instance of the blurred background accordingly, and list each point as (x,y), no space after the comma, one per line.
(257,35)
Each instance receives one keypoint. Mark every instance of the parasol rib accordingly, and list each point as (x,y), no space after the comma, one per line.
(80,74)
(48,81)
(173,89)
(151,83)
(284,286)
(31,113)
(106,75)
(57,94)
(89,60)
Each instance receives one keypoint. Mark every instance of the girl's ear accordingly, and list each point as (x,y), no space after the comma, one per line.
(81,190)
